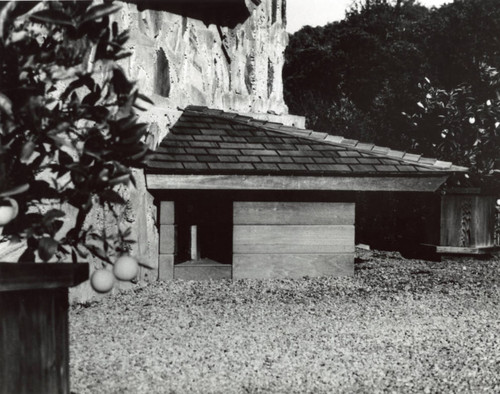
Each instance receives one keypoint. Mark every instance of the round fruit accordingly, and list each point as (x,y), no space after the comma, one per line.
(102,280)
(8,210)
(126,268)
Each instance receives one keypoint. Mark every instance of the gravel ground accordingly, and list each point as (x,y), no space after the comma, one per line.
(403,326)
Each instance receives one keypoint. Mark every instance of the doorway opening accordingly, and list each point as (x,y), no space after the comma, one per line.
(204,230)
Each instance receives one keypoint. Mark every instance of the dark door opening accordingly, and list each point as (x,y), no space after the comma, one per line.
(204,229)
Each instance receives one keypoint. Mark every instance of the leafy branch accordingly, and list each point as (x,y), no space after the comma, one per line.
(69,132)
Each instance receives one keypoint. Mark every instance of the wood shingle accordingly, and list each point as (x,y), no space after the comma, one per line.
(215,142)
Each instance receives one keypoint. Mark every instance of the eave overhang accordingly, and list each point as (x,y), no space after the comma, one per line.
(392,183)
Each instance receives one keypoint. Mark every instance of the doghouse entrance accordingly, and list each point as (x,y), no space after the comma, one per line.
(204,231)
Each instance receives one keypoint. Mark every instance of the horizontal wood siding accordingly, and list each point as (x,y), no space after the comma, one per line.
(257,266)
(292,239)
(288,239)
(202,272)
(293,213)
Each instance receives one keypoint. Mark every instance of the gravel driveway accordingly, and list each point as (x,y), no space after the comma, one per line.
(403,326)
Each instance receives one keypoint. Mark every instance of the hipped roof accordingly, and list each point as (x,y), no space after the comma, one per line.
(207,142)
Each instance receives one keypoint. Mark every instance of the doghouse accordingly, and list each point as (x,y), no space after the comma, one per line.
(244,198)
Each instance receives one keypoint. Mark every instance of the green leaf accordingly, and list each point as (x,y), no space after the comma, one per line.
(133,181)
(120,179)
(137,128)
(120,82)
(52,16)
(99,11)
(5,105)
(51,215)
(127,232)
(64,158)
(59,141)
(111,196)
(47,247)
(81,253)
(91,98)
(97,251)
(140,155)
(134,139)
(139,107)
(55,227)
(124,123)
(145,98)
(27,152)
(122,55)
(27,257)
(84,80)
(63,249)
(6,16)
(74,258)
(15,190)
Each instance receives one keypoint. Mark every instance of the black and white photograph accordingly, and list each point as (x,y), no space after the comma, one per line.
(250,196)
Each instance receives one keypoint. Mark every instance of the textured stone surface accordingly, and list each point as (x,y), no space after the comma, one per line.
(193,57)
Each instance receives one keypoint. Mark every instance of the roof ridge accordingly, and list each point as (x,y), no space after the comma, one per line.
(337,140)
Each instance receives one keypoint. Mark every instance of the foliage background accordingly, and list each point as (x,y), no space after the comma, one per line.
(398,74)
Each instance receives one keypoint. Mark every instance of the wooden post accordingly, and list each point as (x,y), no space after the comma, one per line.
(168,241)
(195,243)
(34,339)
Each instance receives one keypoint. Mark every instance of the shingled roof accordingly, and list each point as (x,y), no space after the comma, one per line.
(212,142)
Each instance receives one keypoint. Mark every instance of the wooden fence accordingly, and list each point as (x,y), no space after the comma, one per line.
(497,226)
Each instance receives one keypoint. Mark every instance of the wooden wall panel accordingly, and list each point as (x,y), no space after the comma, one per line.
(34,341)
(293,239)
(168,239)
(293,213)
(302,239)
(484,221)
(203,272)
(166,267)
(450,220)
(258,266)
(467,220)
(167,212)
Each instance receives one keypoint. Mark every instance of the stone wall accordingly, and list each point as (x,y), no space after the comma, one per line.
(179,61)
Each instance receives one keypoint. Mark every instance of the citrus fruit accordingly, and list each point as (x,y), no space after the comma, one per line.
(126,268)
(102,280)
(8,210)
